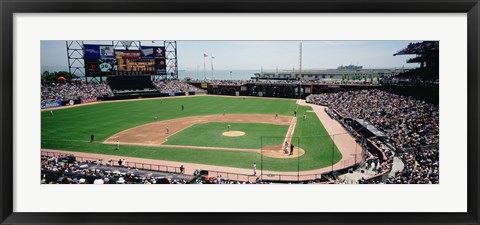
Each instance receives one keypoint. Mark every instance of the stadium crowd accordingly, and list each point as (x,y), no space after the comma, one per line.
(65,169)
(72,91)
(421,167)
(174,86)
(292,81)
(419,47)
(412,125)
(407,121)
(62,169)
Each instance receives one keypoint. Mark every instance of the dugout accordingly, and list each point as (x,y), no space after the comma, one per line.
(367,129)
(370,132)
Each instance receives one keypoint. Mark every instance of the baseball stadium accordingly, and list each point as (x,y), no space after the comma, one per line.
(122,115)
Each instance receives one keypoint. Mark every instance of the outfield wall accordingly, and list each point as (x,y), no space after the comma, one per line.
(278,90)
(58,104)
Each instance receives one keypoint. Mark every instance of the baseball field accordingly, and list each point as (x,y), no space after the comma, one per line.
(212,130)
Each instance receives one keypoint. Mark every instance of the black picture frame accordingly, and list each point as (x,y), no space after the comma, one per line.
(9,7)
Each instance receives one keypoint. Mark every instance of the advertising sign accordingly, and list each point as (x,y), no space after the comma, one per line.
(91,67)
(96,67)
(88,100)
(160,53)
(160,67)
(46,105)
(127,54)
(91,51)
(107,65)
(153,52)
(106,52)
(307,90)
(147,53)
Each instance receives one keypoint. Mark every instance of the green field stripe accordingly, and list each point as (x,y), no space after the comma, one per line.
(70,129)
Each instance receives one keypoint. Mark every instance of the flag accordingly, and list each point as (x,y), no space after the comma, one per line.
(205,55)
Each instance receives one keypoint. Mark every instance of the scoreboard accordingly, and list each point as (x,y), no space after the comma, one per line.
(104,60)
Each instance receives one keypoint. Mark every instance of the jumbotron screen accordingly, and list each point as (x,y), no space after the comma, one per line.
(104,60)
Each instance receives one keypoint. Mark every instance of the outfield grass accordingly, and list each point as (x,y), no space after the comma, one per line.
(210,135)
(70,129)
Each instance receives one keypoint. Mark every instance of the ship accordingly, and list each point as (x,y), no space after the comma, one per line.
(350,67)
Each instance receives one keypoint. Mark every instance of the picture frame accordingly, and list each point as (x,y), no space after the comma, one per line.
(9,8)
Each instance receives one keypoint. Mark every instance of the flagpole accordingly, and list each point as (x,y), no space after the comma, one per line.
(300,74)
(211,63)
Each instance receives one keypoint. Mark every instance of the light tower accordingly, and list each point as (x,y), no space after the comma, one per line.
(300,74)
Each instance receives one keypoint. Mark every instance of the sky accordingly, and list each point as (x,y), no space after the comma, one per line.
(254,55)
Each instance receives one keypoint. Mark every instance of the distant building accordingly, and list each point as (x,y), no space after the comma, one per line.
(332,74)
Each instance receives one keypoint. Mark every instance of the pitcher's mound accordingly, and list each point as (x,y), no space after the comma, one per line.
(233,133)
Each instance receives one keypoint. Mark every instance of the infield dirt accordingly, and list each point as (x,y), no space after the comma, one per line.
(157,133)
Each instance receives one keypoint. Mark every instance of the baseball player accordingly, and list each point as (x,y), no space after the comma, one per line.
(276,115)
(228,127)
(168,129)
(118,146)
(304,117)
(254,169)
(285,149)
(51,112)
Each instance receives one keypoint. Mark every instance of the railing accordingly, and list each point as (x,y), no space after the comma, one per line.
(380,176)
(137,165)
(291,178)
(424,147)
(233,176)
(343,165)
